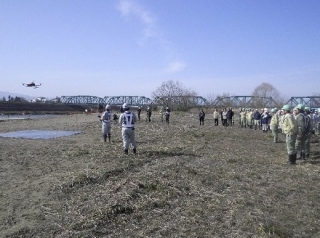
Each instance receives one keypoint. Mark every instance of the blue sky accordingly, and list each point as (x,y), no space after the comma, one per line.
(130,47)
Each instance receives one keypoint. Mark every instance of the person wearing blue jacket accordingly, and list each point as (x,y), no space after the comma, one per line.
(265,118)
(257,119)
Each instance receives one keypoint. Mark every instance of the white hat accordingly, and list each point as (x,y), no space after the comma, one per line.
(126,106)
(108,107)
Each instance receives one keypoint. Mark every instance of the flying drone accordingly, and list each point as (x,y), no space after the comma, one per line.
(32,84)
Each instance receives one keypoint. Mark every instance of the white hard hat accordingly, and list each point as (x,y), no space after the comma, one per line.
(125,106)
(108,107)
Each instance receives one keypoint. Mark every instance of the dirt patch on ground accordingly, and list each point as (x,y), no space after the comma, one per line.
(185,181)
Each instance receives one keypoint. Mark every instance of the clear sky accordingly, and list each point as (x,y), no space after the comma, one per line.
(130,47)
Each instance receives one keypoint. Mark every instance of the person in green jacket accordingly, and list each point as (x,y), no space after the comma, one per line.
(289,127)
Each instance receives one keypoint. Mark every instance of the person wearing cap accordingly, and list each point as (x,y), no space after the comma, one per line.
(106,124)
(274,124)
(127,120)
(243,118)
(290,128)
(303,126)
(295,112)
(316,121)
(309,132)
(249,118)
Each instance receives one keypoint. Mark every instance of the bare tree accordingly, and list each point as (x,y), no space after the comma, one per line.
(264,92)
(173,94)
(210,99)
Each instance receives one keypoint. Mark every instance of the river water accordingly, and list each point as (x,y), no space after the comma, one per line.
(34,134)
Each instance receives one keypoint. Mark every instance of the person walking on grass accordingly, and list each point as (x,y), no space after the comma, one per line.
(128,120)
(290,129)
(106,124)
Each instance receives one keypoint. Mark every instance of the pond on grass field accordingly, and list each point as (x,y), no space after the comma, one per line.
(27,116)
(38,134)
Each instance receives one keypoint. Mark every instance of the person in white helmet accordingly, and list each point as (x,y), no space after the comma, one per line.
(106,124)
(128,120)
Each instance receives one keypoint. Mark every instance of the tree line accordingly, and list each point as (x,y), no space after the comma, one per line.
(167,93)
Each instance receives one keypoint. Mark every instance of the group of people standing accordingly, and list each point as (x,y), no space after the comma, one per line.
(226,116)
(127,120)
(255,119)
(298,125)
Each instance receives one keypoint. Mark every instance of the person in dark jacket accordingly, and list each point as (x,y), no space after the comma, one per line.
(265,119)
(230,114)
(201,117)
(149,113)
(139,112)
(257,120)
(167,114)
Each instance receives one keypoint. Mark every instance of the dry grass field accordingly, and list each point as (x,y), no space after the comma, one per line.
(184,181)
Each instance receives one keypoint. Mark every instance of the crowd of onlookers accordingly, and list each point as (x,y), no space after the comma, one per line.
(257,119)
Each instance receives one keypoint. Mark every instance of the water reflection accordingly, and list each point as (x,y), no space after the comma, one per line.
(38,134)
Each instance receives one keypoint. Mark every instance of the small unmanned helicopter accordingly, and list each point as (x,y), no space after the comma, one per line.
(32,84)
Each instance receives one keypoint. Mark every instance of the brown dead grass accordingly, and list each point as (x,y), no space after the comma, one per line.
(185,181)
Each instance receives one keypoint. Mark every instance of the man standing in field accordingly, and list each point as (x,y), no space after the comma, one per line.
(289,127)
(216,117)
(257,119)
(167,115)
(274,124)
(149,112)
(139,112)
(309,132)
(303,125)
(243,118)
(230,115)
(127,121)
(201,117)
(249,118)
(106,124)
(265,117)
